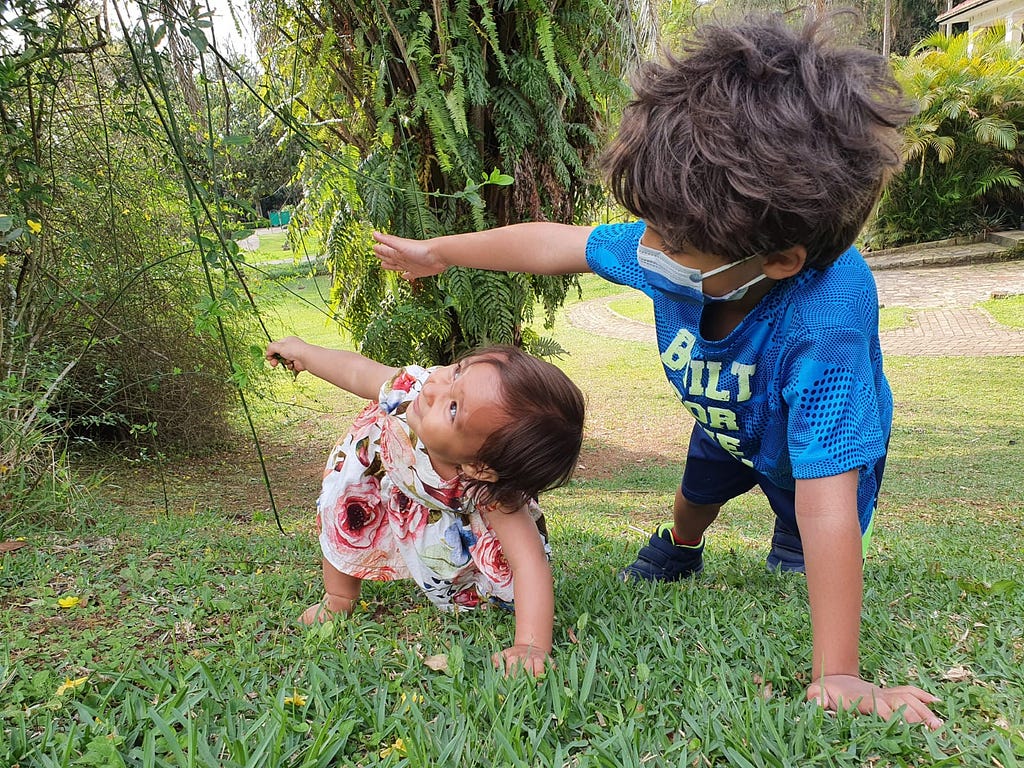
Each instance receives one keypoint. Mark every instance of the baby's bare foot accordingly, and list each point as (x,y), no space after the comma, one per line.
(329,607)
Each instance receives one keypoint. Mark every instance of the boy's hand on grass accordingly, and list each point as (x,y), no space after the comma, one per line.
(835,692)
(410,257)
(518,658)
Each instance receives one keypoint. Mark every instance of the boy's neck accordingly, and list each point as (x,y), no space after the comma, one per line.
(719,319)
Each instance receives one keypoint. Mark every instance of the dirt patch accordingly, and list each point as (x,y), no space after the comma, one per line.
(231,480)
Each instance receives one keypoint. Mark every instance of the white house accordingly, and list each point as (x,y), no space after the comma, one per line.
(975,15)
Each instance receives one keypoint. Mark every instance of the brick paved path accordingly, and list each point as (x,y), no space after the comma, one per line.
(943,322)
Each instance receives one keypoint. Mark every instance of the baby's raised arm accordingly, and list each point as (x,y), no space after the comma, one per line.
(349,370)
(539,248)
(533,588)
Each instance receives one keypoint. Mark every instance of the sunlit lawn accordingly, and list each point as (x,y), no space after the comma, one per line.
(182,648)
(274,245)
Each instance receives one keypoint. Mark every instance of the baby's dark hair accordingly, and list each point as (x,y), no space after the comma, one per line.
(761,136)
(537,449)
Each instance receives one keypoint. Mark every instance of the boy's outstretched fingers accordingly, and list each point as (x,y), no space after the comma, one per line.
(522,657)
(412,258)
(835,692)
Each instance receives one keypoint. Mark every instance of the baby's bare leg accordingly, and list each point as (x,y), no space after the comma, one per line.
(341,593)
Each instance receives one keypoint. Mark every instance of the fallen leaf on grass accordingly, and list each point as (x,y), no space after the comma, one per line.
(11,546)
(71,685)
(766,687)
(438,663)
(958,674)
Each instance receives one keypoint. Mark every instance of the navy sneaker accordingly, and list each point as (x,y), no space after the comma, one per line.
(661,559)
(787,553)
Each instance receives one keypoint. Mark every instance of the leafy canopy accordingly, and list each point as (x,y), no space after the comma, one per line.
(433,118)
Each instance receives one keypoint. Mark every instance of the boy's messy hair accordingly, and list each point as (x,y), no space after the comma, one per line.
(759,137)
(536,450)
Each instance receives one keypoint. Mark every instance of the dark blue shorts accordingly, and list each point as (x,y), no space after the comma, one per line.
(714,476)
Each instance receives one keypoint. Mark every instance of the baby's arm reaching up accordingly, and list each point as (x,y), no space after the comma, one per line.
(533,588)
(349,370)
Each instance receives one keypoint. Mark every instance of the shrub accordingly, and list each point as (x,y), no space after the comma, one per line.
(119,315)
(963,160)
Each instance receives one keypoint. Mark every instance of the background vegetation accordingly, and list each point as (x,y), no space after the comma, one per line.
(423,116)
(963,156)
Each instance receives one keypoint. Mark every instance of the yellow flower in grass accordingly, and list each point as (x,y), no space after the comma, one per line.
(71,685)
(3,263)
(295,700)
(398,748)
(34,226)
(69,601)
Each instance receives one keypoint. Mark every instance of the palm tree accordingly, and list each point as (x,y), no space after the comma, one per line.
(963,161)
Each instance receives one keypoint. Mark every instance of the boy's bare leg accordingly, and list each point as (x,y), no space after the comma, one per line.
(341,592)
(691,520)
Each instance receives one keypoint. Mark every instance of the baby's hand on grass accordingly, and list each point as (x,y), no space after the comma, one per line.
(835,692)
(522,657)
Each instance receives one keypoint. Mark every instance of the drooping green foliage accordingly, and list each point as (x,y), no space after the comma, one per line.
(444,117)
(962,150)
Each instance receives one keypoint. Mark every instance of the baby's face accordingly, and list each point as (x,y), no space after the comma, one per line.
(458,408)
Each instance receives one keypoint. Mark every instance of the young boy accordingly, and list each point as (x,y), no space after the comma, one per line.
(753,161)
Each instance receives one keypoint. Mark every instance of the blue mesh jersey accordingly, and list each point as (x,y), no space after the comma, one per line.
(796,391)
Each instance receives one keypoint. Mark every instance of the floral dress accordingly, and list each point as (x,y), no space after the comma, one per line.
(385,514)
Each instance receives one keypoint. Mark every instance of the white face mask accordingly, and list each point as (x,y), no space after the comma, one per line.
(677,281)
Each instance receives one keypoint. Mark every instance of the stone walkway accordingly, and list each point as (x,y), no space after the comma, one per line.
(943,320)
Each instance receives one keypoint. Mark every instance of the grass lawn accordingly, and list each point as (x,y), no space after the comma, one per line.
(1008,311)
(181,649)
(275,246)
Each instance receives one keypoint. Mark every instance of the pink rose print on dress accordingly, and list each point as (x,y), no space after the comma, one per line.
(448,495)
(403,382)
(360,518)
(364,422)
(408,518)
(397,454)
(377,573)
(491,560)
(467,598)
(396,399)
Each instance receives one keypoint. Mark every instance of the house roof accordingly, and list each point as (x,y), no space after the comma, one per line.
(962,8)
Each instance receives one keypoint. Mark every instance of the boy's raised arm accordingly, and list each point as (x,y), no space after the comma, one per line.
(539,248)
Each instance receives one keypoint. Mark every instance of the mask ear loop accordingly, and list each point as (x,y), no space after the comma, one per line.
(730,265)
(739,292)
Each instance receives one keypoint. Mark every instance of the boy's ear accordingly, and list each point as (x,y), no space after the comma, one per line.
(782,264)
(478,471)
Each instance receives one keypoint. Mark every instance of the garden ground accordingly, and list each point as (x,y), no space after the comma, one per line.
(177,645)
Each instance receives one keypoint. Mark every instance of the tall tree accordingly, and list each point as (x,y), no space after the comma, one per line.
(439,116)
